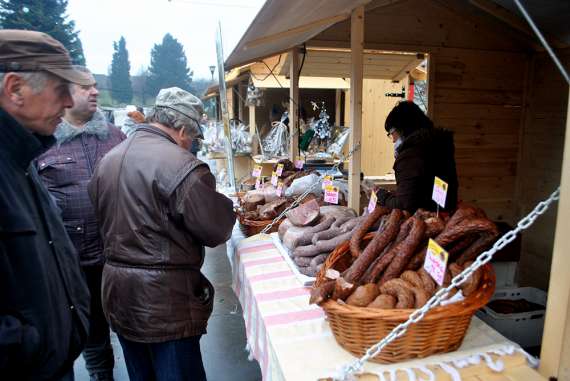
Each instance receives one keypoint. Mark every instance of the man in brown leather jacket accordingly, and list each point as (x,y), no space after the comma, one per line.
(157,207)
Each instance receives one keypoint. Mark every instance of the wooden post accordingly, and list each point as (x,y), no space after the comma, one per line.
(294,104)
(555,354)
(337,107)
(241,103)
(356,79)
(252,131)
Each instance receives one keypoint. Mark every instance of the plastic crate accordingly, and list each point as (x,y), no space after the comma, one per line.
(523,328)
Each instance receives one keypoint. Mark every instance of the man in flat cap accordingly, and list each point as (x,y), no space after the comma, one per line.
(83,137)
(158,207)
(44,301)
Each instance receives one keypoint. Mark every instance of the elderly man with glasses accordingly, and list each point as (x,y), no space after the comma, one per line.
(158,207)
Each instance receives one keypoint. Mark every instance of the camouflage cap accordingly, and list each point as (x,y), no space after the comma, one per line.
(183,102)
(29,51)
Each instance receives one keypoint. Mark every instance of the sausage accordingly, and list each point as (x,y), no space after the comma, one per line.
(478,247)
(308,271)
(306,237)
(325,235)
(363,295)
(342,289)
(331,244)
(421,296)
(383,302)
(363,228)
(428,283)
(351,224)
(413,278)
(302,261)
(462,244)
(434,226)
(322,293)
(409,245)
(377,244)
(471,284)
(317,260)
(306,251)
(399,289)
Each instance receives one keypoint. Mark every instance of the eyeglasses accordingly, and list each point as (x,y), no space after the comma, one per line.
(392,130)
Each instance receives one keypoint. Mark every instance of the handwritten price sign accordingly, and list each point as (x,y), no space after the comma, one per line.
(279,189)
(327,181)
(257,171)
(436,261)
(274,178)
(331,194)
(279,170)
(299,163)
(439,191)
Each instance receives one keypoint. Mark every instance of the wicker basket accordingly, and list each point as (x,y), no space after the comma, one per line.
(253,227)
(442,330)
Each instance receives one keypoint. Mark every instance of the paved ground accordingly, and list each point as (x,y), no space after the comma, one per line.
(223,348)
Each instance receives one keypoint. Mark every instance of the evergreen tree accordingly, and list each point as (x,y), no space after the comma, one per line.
(168,66)
(121,87)
(48,16)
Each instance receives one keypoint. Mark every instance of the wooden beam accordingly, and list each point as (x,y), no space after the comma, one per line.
(407,68)
(297,30)
(337,107)
(356,85)
(294,104)
(556,337)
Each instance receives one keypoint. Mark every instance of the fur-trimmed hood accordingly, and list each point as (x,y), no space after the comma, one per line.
(97,126)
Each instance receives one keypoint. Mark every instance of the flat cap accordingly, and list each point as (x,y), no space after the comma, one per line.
(28,51)
(183,102)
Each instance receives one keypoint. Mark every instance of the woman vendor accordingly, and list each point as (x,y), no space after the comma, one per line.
(421,152)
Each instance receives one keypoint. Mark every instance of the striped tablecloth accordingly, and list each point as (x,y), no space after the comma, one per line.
(292,340)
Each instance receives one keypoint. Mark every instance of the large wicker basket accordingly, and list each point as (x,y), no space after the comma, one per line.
(442,330)
(253,227)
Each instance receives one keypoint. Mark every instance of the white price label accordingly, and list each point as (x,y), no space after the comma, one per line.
(259,183)
(331,194)
(436,261)
(257,171)
(274,179)
(299,163)
(279,170)
(439,191)
(279,189)
(327,181)
(373,202)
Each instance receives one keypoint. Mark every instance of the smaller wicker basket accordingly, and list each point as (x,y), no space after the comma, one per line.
(442,330)
(253,227)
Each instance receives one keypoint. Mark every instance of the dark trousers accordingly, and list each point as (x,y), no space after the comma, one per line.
(176,360)
(98,353)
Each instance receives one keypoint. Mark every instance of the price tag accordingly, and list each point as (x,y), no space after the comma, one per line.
(373,202)
(274,178)
(436,261)
(279,170)
(331,194)
(439,191)
(279,189)
(327,181)
(257,171)
(299,162)
(259,183)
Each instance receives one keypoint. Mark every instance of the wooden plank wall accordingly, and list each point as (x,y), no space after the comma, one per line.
(377,148)
(541,165)
(478,95)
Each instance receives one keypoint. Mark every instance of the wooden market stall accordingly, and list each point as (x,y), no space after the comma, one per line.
(489,81)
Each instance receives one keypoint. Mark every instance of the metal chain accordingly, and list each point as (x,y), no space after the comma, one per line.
(441,295)
(297,201)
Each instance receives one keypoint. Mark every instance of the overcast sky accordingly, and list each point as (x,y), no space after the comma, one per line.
(144,23)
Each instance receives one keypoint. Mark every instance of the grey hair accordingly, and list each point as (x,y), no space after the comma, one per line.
(37,80)
(173,119)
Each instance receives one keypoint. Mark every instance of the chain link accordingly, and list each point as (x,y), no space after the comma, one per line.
(358,366)
(298,200)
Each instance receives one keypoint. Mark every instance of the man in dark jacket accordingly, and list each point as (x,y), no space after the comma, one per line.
(422,152)
(44,301)
(83,137)
(158,207)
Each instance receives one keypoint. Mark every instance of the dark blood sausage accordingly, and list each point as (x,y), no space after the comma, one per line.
(410,245)
(478,247)
(363,228)
(377,244)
